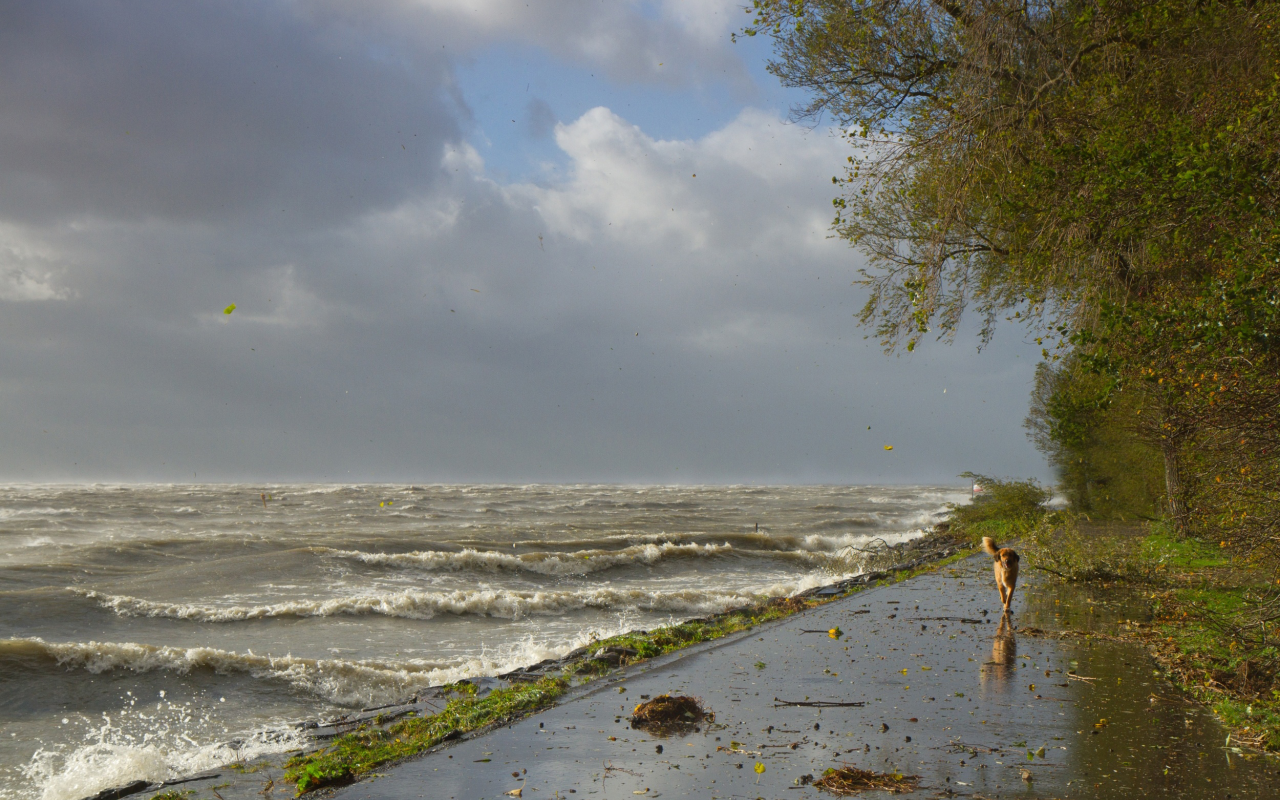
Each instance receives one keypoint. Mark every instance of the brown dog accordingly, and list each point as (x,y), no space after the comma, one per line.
(1006,569)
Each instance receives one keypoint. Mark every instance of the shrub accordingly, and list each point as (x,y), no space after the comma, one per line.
(1005,509)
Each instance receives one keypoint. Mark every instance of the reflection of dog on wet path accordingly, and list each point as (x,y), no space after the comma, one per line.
(1006,569)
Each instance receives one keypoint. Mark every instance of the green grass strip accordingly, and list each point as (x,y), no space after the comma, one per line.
(361,751)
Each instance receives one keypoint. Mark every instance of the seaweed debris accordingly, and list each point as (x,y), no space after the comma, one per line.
(851,780)
(665,712)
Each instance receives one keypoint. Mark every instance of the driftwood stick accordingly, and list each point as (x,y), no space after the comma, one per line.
(965,620)
(778,702)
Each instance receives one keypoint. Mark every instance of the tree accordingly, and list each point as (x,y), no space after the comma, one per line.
(1089,432)
(1032,159)
(1108,172)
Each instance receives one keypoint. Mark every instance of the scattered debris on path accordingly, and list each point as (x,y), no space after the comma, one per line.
(851,780)
(665,711)
(778,702)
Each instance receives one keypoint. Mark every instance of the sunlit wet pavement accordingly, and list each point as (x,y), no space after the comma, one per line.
(965,706)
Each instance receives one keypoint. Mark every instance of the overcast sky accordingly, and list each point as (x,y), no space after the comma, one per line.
(467,240)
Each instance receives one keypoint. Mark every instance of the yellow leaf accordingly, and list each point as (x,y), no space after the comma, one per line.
(888,447)
(229,309)
(759,768)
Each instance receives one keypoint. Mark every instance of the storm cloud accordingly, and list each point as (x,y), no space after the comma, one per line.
(646,310)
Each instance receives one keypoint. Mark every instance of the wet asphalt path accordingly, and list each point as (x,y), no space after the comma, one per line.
(961,704)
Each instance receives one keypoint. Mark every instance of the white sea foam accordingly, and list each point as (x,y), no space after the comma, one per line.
(336,680)
(825,543)
(13,513)
(580,562)
(115,755)
(418,604)
(355,683)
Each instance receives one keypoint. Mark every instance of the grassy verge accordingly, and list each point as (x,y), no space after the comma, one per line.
(359,753)
(1212,615)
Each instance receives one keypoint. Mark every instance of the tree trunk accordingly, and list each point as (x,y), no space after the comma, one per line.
(1173,486)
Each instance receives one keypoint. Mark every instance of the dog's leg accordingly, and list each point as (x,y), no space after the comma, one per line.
(1012,576)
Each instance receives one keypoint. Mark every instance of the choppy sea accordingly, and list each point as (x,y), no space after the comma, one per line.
(152,631)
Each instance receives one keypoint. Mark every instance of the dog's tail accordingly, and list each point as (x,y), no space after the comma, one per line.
(989,545)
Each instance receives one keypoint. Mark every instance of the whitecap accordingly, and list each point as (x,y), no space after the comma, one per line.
(572,563)
(419,604)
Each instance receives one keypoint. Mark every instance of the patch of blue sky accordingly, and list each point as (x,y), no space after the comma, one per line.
(516,94)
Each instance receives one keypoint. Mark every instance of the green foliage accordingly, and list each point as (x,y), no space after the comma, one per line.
(1204,371)
(1103,172)
(1067,546)
(1256,720)
(1059,546)
(1089,431)
(1035,159)
(1004,510)
(1222,643)
(1163,548)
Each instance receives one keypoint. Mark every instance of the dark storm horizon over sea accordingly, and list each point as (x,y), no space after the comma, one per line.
(149,631)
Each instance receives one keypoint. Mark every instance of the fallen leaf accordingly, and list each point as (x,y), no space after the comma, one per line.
(229,309)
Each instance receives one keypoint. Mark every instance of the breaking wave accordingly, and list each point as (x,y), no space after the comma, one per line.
(116,757)
(574,563)
(417,604)
(351,683)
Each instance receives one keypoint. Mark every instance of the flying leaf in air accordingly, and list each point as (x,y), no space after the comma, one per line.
(888,447)
(229,309)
